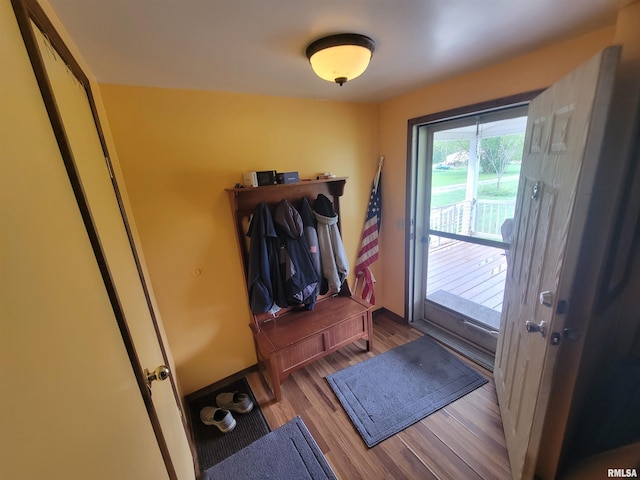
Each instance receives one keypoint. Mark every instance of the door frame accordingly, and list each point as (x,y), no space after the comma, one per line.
(27,11)
(414,210)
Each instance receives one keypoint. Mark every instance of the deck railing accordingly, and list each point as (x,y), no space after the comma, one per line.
(474,218)
(450,218)
(491,214)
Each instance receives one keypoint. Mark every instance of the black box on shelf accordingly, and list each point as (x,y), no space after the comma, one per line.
(267,177)
(288,177)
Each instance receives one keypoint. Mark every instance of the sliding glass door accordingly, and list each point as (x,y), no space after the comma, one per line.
(469,183)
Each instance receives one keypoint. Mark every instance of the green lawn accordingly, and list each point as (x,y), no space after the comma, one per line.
(456,176)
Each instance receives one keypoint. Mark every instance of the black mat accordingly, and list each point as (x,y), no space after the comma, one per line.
(385,394)
(287,453)
(212,445)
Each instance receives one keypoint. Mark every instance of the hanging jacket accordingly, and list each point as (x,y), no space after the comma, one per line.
(297,270)
(263,276)
(311,236)
(335,266)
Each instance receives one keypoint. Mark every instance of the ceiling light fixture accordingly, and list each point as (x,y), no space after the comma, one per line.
(340,58)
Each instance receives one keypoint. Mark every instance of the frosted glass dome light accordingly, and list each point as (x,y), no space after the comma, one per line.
(340,58)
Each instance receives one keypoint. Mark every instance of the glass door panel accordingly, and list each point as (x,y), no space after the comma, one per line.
(468,278)
(469,205)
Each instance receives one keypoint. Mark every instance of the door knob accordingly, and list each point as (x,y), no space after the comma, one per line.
(533,327)
(160,373)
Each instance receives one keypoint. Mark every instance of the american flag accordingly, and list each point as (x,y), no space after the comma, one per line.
(369,245)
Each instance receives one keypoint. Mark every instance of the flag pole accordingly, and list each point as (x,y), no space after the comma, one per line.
(377,180)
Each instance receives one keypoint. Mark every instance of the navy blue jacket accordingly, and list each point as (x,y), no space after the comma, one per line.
(263,276)
(298,272)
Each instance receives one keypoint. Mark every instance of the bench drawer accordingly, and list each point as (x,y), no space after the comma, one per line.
(308,349)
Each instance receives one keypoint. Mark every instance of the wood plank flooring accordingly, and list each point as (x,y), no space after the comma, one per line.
(462,441)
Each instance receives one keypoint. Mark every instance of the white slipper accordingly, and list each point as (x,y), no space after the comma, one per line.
(219,417)
(235,401)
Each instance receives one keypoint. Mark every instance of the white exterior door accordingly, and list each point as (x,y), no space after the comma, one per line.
(564,133)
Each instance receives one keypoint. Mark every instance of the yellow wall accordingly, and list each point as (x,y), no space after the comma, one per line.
(528,72)
(179,150)
(627,35)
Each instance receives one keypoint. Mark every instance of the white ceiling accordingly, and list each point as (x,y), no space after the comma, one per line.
(257,46)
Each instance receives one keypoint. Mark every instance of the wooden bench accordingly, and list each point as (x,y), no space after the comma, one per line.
(295,337)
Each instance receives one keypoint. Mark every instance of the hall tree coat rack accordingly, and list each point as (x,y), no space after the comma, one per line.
(295,337)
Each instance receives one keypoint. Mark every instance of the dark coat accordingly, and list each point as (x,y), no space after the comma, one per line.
(263,276)
(299,274)
(311,236)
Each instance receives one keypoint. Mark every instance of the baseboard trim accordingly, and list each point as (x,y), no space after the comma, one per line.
(220,383)
(393,316)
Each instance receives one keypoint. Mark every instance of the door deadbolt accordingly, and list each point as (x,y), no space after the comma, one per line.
(160,373)
(535,194)
(546,298)
(533,327)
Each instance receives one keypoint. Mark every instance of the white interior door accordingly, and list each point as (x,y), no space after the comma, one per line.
(564,133)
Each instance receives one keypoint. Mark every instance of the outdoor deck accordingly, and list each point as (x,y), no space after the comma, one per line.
(468,271)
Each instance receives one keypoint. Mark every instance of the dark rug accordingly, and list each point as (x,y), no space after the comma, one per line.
(212,445)
(385,394)
(287,453)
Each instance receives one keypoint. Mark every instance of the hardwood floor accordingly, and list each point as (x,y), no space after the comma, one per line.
(462,441)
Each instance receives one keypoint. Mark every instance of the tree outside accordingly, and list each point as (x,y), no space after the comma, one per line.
(443,148)
(498,152)
(499,164)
